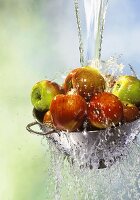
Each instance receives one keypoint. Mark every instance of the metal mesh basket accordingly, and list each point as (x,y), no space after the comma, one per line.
(98,148)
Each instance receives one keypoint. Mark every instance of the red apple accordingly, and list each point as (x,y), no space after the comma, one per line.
(47,117)
(130,112)
(85,81)
(105,110)
(68,81)
(68,111)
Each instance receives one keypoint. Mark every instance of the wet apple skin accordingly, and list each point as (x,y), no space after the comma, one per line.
(42,94)
(85,81)
(127,88)
(130,112)
(105,110)
(47,117)
(68,111)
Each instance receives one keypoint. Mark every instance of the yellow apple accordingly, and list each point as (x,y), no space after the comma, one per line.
(127,88)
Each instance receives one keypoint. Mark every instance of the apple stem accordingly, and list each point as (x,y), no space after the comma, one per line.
(132,70)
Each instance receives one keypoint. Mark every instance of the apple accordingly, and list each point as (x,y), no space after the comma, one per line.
(67,86)
(47,117)
(130,112)
(127,88)
(68,111)
(85,81)
(42,94)
(105,110)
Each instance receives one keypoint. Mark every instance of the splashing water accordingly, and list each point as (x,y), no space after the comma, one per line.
(70,178)
(73,179)
(121,181)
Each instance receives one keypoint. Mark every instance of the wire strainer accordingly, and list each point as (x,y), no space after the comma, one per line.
(98,148)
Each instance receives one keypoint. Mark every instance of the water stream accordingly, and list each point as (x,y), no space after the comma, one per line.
(95,12)
(81,49)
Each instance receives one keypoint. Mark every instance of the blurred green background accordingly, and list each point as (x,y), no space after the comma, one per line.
(38,40)
(29,52)
(22,160)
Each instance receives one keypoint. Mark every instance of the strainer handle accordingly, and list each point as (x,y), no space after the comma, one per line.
(28,127)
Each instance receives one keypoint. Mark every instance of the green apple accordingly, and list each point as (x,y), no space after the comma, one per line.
(42,94)
(127,88)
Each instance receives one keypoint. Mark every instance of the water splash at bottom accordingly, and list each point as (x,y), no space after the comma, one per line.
(120,181)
